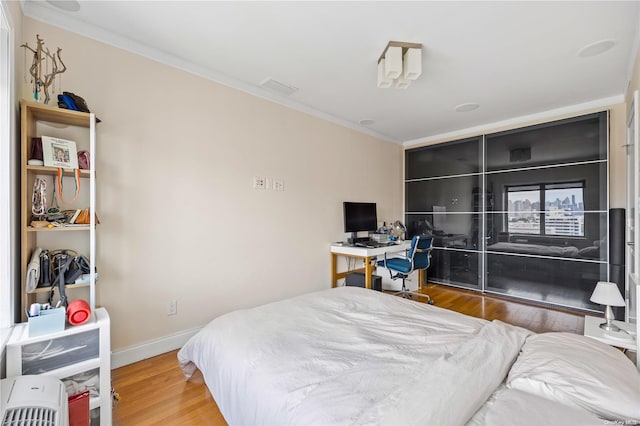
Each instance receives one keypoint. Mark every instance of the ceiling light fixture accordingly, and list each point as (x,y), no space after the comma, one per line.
(467,107)
(400,61)
(596,48)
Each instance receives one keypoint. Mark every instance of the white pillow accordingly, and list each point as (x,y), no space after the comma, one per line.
(514,407)
(578,371)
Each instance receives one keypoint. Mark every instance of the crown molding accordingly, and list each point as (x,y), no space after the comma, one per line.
(41,12)
(519,121)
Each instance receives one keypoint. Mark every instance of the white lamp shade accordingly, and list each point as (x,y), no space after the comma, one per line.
(607,293)
(412,64)
(393,62)
(383,81)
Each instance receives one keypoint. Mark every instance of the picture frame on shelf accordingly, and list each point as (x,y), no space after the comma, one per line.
(59,153)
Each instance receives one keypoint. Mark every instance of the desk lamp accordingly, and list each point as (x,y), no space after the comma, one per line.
(608,294)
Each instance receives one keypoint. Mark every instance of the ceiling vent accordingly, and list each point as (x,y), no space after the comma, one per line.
(278,87)
(520,154)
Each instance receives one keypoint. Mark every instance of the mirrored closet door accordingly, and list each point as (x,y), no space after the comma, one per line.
(522,213)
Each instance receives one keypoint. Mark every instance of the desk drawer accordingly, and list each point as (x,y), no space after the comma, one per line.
(48,355)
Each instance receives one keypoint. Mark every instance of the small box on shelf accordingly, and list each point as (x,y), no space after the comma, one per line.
(379,238)
(48,321)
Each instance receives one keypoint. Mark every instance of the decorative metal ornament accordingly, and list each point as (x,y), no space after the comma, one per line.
(44,62)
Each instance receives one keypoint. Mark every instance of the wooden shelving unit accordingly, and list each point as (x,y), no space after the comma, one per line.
(41,120)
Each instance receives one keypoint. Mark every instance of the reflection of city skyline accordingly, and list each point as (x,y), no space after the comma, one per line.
(563,216)
(567,199)
(527,205)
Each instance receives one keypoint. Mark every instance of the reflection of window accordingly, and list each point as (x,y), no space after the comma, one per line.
(523,205)
(546,209)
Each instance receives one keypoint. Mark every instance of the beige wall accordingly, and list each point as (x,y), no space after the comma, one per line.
(180,218)
(617,151)
(634,83)
(618,156)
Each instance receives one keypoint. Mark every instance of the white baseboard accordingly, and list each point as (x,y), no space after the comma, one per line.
(150,348)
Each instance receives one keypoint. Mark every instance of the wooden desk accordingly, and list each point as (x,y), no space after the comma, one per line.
(367,255)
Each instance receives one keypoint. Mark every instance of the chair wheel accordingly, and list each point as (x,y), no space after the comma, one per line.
(430,301)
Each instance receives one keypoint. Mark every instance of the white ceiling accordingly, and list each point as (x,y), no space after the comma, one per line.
(515,59)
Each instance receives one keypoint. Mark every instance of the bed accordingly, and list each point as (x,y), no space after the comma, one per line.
(354,356)
(590,252)
(535,249)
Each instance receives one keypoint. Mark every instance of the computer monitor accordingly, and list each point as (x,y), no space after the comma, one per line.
(359,217)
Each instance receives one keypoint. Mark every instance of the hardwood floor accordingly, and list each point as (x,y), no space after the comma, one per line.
(154,391)
(489,307)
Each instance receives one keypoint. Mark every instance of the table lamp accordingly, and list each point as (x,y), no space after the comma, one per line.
(608,294)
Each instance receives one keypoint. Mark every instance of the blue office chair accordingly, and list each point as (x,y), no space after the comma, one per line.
(418,257)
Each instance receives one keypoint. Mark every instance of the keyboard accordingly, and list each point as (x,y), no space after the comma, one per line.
(374,244)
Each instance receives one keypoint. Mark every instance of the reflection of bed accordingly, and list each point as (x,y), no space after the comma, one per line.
(354,356)
(590,252)
(536,249)
(544,265)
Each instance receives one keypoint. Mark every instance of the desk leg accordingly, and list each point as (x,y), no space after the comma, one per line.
(367,272)
(421,278)
(334,270)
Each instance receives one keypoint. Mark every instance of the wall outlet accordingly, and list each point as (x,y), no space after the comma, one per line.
(278,185)
(259,182)
(172,307)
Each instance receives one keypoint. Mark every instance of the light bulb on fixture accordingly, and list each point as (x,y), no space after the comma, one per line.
(412,64)
(383,81)
(393,62)
(402,83)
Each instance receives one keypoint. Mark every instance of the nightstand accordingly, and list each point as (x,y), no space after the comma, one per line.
(621,340)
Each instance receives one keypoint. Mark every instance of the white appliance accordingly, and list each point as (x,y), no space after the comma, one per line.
(34,400)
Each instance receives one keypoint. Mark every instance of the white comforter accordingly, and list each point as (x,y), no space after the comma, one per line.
(351,356)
